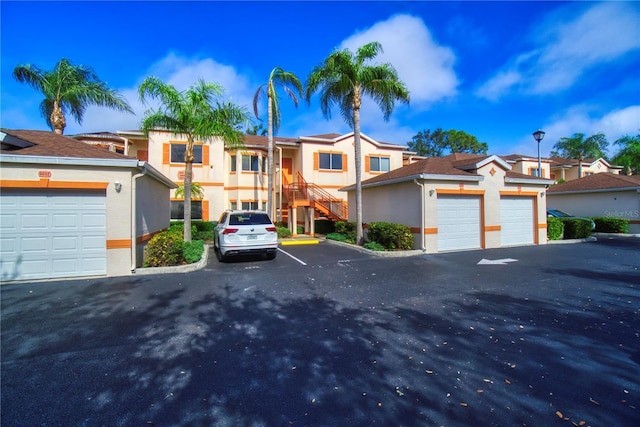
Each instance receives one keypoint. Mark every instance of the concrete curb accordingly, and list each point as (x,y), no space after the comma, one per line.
(381,254)
(569,241)
(178,268)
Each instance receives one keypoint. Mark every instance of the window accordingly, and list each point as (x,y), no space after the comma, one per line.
(534,172)
(248,206)
(177,209)
(330,161)
(177,153)
(379,164)
(233,163)
(250,163)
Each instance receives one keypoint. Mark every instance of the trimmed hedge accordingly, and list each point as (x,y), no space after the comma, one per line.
(200,230)
(374,246)
(390,236)
(340,238)
(555,228)
(166,248)
(283,232)
(576,228)
(193,250)
(610,224)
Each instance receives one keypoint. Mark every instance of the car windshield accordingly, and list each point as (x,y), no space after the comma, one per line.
(249,219)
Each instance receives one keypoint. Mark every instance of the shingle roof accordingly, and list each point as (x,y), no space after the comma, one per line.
(598,181)
(47,143)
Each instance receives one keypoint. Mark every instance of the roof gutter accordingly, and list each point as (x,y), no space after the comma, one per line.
(425,177)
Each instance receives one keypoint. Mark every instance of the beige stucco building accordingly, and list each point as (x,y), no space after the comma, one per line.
(457,202)
(70,210)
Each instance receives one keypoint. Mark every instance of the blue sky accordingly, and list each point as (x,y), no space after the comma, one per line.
(498,70)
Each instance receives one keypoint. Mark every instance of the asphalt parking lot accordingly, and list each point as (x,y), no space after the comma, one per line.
(329,336)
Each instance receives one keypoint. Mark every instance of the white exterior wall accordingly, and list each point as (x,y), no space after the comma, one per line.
(619,204)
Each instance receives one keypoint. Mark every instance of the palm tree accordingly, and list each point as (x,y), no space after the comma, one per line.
(577,147)
(195,114)
(69,89)
(629,154)
(197,192)
(278,78)
(344,78)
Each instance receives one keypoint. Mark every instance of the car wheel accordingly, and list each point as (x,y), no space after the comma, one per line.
(216,249)
(272,255)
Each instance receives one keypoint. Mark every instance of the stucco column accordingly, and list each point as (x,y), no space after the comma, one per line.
(294,221)
(312,223)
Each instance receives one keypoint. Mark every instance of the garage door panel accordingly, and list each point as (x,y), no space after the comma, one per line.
(53,235)
(517,221)
(458,223)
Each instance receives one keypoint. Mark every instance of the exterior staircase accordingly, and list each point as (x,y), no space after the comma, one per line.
(302,193)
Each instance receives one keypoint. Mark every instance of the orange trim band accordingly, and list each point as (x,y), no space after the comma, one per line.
(519,193)
(119,244)
(542,226)
(460,192)
(46,183)
(492,228)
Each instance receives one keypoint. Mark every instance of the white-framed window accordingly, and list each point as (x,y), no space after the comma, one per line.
(250,163)
(246,206)
(534,172)
(330,161)
(379,164)
(178,150)
(233,163)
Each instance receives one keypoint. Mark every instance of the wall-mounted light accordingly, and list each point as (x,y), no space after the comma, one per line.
(431,192)
(118,186)
(542,194)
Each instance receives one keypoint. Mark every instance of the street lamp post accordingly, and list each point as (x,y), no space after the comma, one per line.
(538,135)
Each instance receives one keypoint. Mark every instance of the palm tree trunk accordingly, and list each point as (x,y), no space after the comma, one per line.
(580,166)
(358,160)
(270,156)
(57,118)
(188,169)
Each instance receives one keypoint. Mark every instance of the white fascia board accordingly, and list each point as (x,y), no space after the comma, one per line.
(287,143)
(156,174)
(599,190)
(529,181)
(69,161)
(425,177)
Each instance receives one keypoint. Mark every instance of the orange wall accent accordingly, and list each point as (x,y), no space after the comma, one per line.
(46,183)
(492,228)
(119,244)
(518,193)
(460,191)
(205,154)
(205,210)
(542,226)
(433,230)
(367,163)
(345,163)
(166,150)
(247,188)
(316,161)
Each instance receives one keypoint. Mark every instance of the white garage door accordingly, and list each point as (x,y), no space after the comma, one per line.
(516,221)
(49,234)
(458,223)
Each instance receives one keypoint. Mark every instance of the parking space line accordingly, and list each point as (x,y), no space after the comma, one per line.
(288,254)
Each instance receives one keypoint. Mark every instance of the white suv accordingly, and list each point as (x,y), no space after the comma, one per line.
(245,232)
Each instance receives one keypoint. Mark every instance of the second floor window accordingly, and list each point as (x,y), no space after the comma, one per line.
(379,164)
(250,163)
(177,153)
(177,209)
(233,163)
(330,161)
(250,206)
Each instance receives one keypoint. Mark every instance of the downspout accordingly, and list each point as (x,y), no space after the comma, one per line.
(134,238)
(423,245)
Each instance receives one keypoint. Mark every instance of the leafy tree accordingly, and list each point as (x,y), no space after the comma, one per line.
(256,130)
(68,89)
(287,81)
(629,154)
(439,142)
(343,78)
(196,113)
(580,148)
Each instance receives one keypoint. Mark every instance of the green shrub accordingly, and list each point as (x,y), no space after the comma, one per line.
(283,232)
(164,249)
(391,236)
(576,228)
(609,224)
(338,237)
(555,228)
(300,229)
(193,250)
(347,229)
(374,246)
(204,230)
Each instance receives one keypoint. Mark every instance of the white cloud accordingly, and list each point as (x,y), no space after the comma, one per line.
(568,49)
(580,119)
(422,64)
